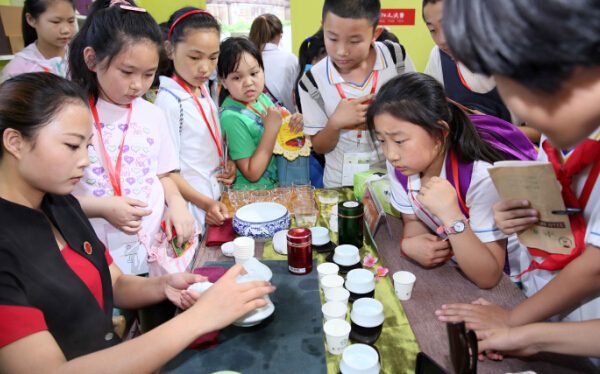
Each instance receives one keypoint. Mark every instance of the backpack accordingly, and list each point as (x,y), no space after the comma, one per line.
(504,136)
(308,83)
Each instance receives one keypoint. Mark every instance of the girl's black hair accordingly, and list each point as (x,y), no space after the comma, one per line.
(311,48)
(536,43)
(232,50)
(109,30)
(420,99)
(35,8)
(30,101)
(265,28)
(387,35)
(196,21)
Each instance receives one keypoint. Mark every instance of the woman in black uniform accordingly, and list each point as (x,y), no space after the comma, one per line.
(57,280)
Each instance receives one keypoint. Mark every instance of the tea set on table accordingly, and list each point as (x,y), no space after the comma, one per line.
(262,221)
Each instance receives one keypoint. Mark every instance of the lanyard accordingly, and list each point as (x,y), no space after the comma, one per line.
(343,96)
(113,172)
(250,106)
(215,135)
(461,77)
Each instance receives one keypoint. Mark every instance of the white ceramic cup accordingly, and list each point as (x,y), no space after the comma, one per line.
(346,255)
(327,268)
(360,281)
(403,284)
(320,235)
(243,249)
(334,310)
(367,312)
(337,294)
(360,359)
(331,281)
(337,332)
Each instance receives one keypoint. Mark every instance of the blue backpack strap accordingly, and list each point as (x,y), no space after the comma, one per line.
(257,119)
(163,88)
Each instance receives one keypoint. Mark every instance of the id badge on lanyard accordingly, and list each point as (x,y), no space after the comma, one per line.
(354,163)
(216,186)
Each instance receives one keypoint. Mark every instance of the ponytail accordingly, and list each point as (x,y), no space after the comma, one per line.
(420,99)
(311,48)
(265,28)
(35,8)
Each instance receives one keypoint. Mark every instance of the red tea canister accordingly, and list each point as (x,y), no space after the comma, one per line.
(299,247)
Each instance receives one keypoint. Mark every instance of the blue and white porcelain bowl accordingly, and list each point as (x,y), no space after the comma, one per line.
(261,221)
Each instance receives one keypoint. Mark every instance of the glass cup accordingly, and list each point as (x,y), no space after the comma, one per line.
(285,184)
(257,187)
(281,195)
(306,216)
(305,192)
(237,195)
(327,200)
(260,196)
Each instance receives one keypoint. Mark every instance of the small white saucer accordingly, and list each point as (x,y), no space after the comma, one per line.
(227,249)
(280,242)
(256,316)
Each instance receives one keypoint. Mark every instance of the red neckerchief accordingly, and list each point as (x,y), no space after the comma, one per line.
(216,136)
(583,156)
(343,96)
(461,77)
(113,172)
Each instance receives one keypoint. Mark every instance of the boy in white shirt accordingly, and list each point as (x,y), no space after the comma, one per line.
(355,67)
(558,94)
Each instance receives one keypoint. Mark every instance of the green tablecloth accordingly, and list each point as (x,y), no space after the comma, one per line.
(397,345)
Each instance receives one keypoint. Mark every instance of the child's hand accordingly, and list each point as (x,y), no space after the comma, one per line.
(480,314)
(439,197)
(229,176)
(122,212)
(227,301)
(272,119)
(179,216)
(509,340)
(512,216)
(296,123)
(427,249)
(351,112)
(176,286)
(216,213)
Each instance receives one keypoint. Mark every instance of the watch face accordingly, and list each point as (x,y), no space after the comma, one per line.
(459,226)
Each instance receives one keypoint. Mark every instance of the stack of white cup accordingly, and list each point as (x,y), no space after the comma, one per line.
(243,249)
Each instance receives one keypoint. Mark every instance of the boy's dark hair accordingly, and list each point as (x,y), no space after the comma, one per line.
(265,28)
(109,30)
(35,8)
(30,101)
(536,43)
(232,50)
(196,21)
(420,99)
(354,9)
(311,48)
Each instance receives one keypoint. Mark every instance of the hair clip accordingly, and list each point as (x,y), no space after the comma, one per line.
(263,17)
(127,6)
(198,11)
(308,38)
(386,28)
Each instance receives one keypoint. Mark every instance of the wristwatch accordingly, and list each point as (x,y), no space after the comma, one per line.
(456,228)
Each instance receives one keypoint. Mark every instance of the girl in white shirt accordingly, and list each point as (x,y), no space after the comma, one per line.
(193,47)
(420,133)
(281,68)
(47,28)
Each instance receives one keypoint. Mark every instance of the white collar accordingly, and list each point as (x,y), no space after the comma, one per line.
(414,181)
(334,77)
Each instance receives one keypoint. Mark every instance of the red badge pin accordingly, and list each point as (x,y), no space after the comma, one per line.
(87,247)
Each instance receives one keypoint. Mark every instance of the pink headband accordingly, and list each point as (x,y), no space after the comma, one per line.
(126,5)
(199,11)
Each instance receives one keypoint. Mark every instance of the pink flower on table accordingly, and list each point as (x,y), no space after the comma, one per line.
(381,272)
(369,260)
